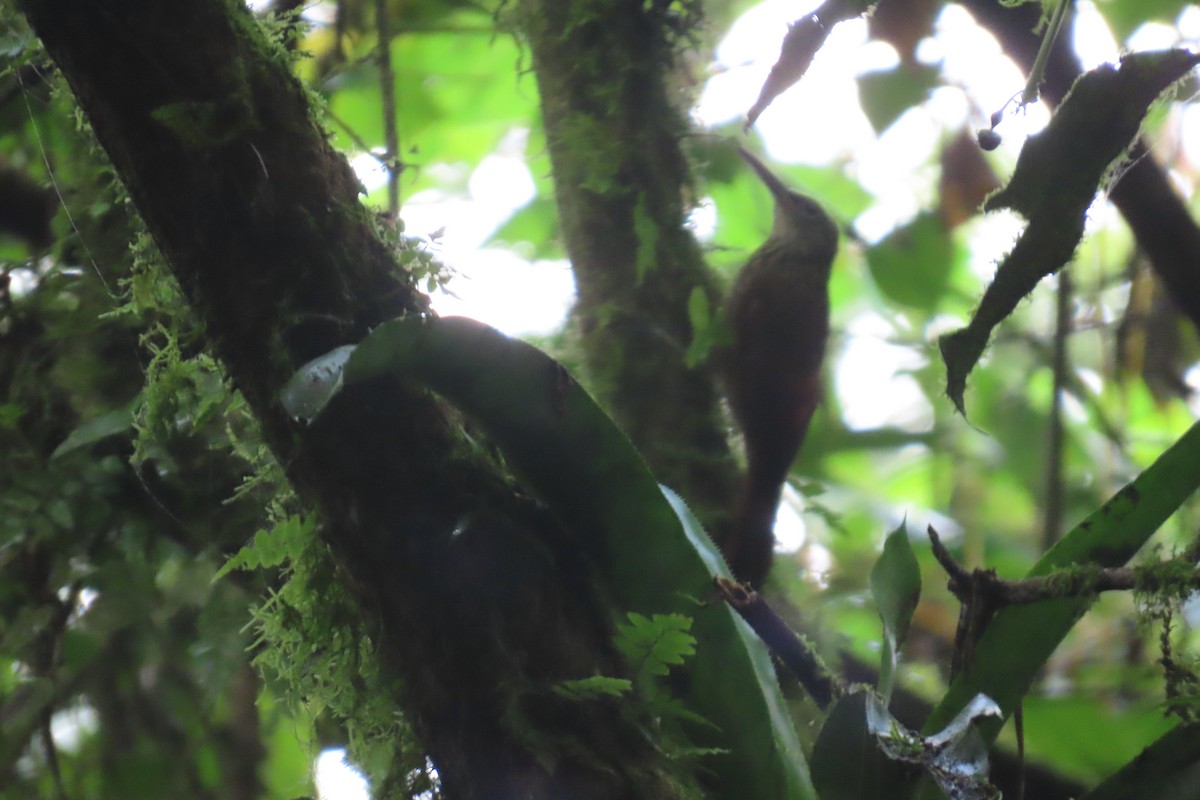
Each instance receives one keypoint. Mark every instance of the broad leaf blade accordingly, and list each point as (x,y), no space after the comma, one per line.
(1166,770)
(96,429)
(555,436)
(848,763)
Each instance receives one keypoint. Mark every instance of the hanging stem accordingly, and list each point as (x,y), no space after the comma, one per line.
(387,86)
(1038,70)
(1052,522)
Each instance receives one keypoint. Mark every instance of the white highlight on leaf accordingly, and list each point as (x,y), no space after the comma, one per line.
(315,384)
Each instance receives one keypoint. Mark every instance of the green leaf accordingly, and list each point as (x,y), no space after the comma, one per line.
(848,763)
(533,228)
(912,265)
(896,585)
(1126,16)
(1052,726)
(582,466)
(1165,770)
(96,429)
(1019,639)
(888,94)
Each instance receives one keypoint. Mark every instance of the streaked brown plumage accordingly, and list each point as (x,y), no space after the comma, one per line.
(778,312)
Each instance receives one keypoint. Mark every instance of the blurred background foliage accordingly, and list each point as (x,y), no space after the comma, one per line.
(125,669)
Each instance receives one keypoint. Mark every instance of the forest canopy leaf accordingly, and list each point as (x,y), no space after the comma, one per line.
(1055,180)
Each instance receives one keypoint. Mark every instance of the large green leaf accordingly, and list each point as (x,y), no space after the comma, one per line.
(1166,770)
(555,437)
(887,94)
(848,763)
(97,429)
(1052,726)
(1020,638)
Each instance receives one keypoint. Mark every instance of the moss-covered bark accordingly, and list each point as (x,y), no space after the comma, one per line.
(622,185)
(478,601)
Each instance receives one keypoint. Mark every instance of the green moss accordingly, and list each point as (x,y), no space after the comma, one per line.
(593,155)
(319,654)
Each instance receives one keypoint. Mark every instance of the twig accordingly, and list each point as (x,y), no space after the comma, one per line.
(978,604)
(354,136)
(1038,70)
(1052,521)
(794,652)
(1077,581)
(387,85)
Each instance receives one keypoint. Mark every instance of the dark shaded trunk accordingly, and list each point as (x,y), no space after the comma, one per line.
(614,130)
(477,600)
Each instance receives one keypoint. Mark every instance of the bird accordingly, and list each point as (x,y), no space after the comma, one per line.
(777,313)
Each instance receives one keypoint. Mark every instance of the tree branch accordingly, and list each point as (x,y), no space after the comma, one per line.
(1160,221)
(622,188)
(972,586)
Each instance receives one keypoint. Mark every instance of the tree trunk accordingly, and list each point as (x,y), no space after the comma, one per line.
(478,598)
(623,188)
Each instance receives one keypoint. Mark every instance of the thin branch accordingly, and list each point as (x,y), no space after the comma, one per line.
(1052,522)
(51,751)
(354,136)
(387,85)
(1144,195)
(797,654)
(1078,581)
(1038,70)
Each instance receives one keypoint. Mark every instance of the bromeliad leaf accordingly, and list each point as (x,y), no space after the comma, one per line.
(555,437)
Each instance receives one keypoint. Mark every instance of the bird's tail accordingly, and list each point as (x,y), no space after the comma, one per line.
(752,547)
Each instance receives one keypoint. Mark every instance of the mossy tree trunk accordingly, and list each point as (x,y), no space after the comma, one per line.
(475,594)
(623,188)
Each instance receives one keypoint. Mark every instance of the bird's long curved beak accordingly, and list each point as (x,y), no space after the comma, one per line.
(778,190)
